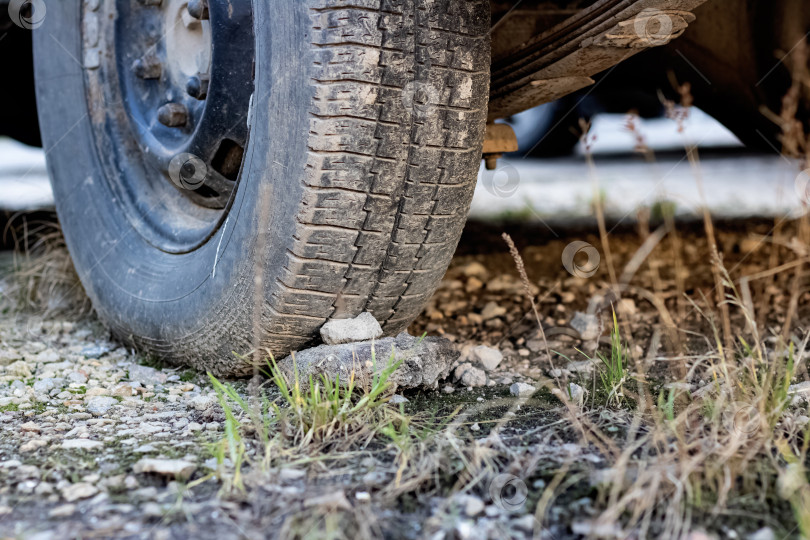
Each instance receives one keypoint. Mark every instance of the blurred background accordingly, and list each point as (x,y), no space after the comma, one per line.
(550,180)
(634,164)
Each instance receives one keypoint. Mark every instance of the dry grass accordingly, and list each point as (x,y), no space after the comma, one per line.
(723,432)
(43,279)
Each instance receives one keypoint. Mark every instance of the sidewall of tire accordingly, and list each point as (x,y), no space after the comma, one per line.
(194,307)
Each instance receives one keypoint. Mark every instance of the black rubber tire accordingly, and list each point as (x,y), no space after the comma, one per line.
(367,195)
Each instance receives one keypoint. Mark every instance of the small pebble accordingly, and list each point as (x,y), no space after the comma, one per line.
(520,389)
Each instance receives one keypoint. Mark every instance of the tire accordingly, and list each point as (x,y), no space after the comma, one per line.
(351,196)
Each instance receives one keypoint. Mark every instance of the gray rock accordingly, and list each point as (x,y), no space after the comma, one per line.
(472,505)
(130,482)
(576,393)
(146,375)
(291,474)
(100,405)
(423,361)
(33,445)
(95,351)
(56,366)
(30,426)
(8,356)
(26,487)
(81,444)
(466,530)
(82,490)
(335,500)
(586,325)
(122,390)
(375,479)
(177,468)
(520,389)
(25,472)
(536,345)
(19,369)
(76,377)
(149,493)
(362,328)
(475,269)
(470,375)
(63,511)
(47,356)
(581,367)
(488,357)
(152,509)
(202,403)
(46,385)
(492,310)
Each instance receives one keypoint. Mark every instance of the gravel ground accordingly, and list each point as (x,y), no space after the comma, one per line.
(97,441)
(80,417)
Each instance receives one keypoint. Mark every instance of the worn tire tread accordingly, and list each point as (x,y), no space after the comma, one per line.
(388,185)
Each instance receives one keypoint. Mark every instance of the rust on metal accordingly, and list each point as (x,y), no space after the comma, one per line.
(499,140)
(563,59)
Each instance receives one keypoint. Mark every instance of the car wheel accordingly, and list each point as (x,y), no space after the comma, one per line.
(232,175)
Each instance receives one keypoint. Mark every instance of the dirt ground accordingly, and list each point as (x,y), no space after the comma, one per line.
(698,433)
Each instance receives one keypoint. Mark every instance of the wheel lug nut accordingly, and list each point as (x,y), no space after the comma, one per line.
(173,115)
(198,9)
(148,67)
(197,86)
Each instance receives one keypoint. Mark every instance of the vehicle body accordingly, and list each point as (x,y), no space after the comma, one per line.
(231,175)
